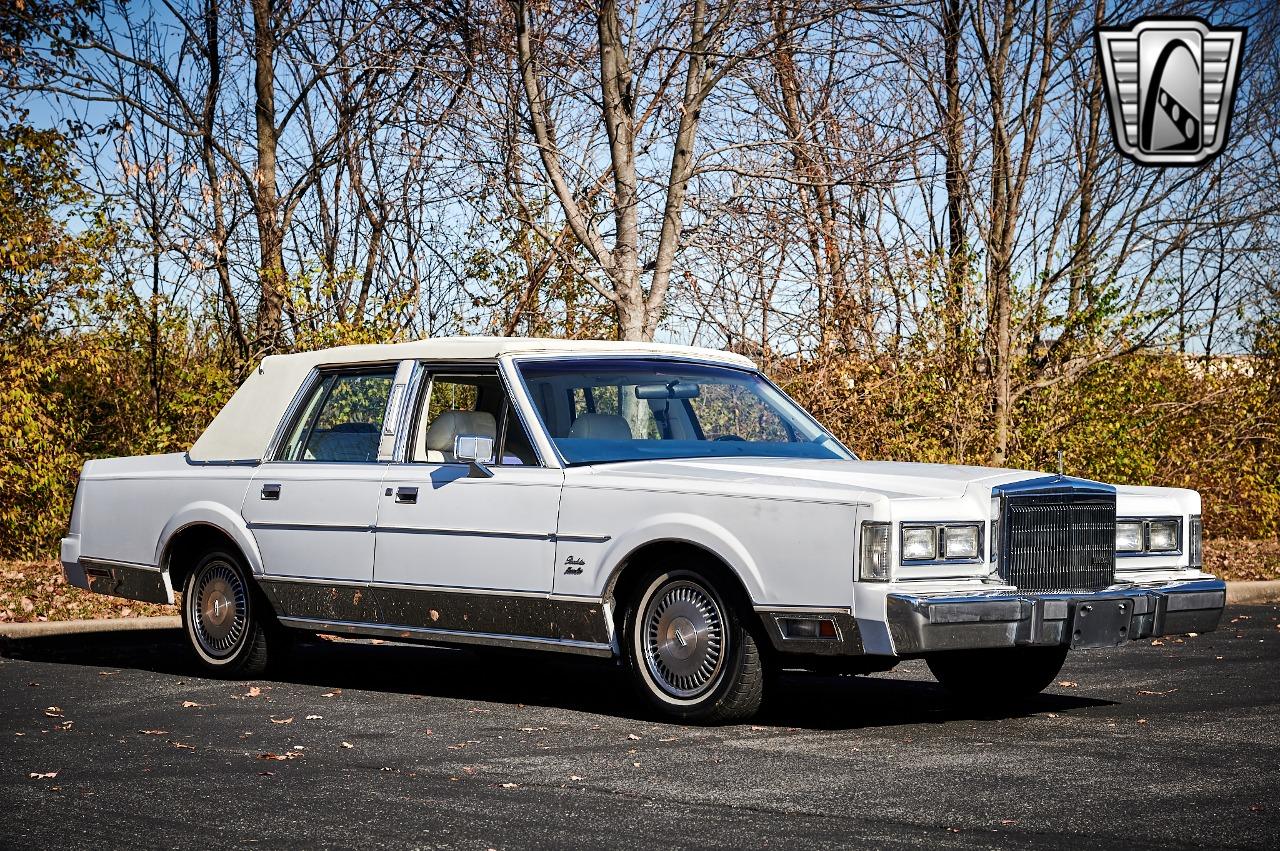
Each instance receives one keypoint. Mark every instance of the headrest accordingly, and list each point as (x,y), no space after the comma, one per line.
(601,427)
(452,423)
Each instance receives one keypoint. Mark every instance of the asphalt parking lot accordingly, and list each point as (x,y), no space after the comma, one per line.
(112,740)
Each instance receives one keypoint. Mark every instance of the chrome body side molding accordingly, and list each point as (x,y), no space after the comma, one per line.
(445,611)
(141,582)
(450,636)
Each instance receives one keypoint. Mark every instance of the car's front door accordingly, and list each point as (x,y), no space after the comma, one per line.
(312,508)
(462,553)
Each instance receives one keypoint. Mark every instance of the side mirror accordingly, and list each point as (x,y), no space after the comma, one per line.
(477,451)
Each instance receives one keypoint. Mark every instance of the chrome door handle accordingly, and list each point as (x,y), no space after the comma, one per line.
(407,496)
(270,492)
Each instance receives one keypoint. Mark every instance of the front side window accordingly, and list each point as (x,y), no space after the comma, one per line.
(625,409)
(454,404)
(342,418)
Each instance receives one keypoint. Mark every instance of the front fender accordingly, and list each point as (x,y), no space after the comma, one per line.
(689,529)
(219,517)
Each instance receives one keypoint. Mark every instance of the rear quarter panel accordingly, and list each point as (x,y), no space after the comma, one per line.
(129,506)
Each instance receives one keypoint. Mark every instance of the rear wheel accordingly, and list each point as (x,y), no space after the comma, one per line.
(227,624)
(1000,675)
(689,655)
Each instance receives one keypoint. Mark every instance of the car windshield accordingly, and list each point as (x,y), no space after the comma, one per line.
(628,409)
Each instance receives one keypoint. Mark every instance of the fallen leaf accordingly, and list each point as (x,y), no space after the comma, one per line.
(154,732)
(46,776)
(574,777)
(1142,720)
(633,737)
(54,712)
(182,746)
(1157,693)
(280,756)
(1192,634)
(347,745)
(1157,643)
(1007,821)
(636,764)
(191,704)
(266,774)
(314,717)
(333,693)
(253,691)
(509,786)
(1068,684)
(1053,715)
(65,725)
(288,720)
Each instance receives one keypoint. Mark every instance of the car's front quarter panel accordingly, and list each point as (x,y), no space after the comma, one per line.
(786,552)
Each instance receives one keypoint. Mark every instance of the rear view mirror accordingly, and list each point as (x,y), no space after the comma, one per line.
(671,390)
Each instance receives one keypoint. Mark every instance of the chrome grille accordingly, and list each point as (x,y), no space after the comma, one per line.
(1059,541)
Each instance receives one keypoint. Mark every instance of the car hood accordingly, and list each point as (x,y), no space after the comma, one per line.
(857,480)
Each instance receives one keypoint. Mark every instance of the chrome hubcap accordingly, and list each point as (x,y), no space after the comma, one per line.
(683,639)
(220,609)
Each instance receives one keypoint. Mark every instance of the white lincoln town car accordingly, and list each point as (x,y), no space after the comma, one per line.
(662,505)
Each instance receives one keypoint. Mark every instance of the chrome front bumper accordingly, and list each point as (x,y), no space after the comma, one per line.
(926,623)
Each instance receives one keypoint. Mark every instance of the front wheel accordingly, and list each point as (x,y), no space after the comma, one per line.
(688,654)
(1000,675)
(227,626)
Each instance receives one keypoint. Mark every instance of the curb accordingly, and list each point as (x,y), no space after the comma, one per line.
(1265,591)
(45,628)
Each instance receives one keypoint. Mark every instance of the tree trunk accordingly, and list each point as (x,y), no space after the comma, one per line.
(221,261)
(953,137)
(272,279)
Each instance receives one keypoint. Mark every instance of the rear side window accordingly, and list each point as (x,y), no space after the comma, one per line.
(342,419)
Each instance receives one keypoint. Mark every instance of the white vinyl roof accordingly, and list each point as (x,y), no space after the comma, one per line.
(245,425)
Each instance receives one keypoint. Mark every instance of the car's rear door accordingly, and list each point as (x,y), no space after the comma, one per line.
(312,507)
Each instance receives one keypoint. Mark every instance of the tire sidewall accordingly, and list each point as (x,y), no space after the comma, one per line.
(234,660)
(730,669)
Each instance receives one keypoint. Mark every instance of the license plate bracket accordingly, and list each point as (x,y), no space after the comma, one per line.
(1101,623)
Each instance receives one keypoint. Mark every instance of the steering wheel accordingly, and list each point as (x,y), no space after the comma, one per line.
(731,437)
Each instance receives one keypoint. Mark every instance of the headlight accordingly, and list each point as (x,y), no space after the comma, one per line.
(1148,536)
(960,542)
(874,565)
(941,542)
(1162,536)
(919,543)
(1128,536)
